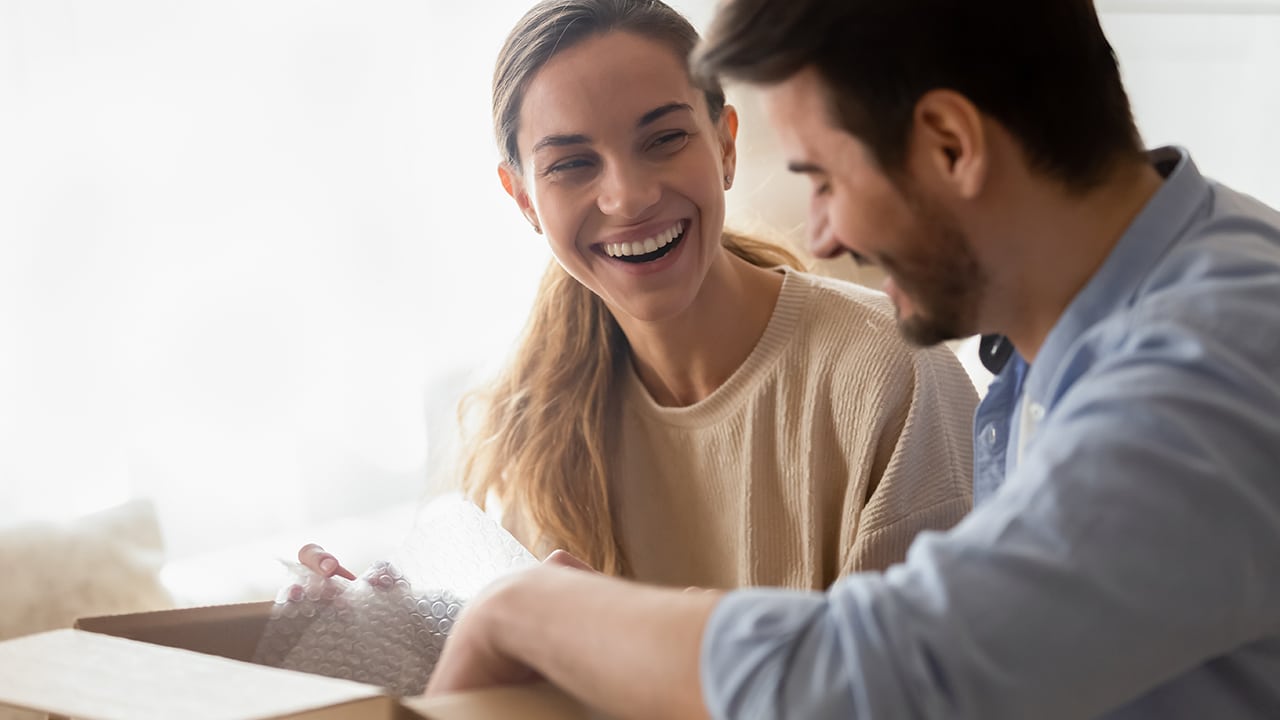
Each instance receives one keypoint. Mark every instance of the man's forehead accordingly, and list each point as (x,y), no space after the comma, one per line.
(799,100)
(805,84)
(792,112)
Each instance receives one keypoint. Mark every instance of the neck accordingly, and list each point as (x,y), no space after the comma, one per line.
(683,359)
(1056,244)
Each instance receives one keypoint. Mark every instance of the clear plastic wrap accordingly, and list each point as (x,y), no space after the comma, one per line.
(388,627)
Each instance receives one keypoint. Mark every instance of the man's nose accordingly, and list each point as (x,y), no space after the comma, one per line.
(822,241)
(628,192)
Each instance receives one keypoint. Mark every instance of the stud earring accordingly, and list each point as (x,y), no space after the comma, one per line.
(728,182)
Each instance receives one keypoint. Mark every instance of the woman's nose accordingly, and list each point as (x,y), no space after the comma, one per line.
(628,192)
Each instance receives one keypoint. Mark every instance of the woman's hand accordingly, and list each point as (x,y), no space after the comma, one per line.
(562,558)
(322,563)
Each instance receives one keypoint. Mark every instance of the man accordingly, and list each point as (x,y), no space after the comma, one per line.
(1123,560)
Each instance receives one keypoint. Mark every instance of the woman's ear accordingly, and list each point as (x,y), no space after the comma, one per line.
(728,130)
(514,185)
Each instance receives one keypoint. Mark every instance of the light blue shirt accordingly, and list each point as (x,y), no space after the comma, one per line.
(1128,566)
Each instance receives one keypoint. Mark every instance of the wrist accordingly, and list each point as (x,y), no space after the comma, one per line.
(499,613)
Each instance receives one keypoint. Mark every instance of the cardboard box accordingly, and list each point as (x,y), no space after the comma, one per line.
(194,664)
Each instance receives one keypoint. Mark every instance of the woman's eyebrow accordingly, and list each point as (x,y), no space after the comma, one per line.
(650,117)
(561,141)
(656,113)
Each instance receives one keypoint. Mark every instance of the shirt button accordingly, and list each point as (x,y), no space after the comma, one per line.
(1037,412)
(990,434)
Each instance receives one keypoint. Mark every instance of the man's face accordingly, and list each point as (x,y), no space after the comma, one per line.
(933,279)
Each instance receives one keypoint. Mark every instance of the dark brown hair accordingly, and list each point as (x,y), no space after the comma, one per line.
(1041,68)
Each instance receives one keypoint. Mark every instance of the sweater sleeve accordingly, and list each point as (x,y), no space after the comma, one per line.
(922,476)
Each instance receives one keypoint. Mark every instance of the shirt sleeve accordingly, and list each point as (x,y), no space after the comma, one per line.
(1137,540)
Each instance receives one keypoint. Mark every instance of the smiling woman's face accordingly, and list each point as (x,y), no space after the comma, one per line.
(625,171)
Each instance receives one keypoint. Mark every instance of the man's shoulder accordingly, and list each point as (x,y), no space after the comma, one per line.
(1223,276)
(1209,306)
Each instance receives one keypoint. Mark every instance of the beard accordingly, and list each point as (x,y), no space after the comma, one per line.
(940,275)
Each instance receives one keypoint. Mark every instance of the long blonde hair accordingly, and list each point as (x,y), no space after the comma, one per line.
(543,441)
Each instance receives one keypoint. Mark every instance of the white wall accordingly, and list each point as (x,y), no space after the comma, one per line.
(1209,82)
(238,243)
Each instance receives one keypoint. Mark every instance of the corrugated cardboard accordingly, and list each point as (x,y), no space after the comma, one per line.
(538,702)
(229,631)
(193,664)
(89,676)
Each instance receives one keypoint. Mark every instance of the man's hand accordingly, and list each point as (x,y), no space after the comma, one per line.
(472,657)
(606,641)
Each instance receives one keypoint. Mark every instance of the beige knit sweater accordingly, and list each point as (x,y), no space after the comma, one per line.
(825,453)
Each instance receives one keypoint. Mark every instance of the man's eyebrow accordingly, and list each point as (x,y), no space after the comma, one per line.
(656,113)
(805,168)
(560,141)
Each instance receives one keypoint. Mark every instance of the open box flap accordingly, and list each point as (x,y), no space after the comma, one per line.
(90,676)
(71,672)
(229,631)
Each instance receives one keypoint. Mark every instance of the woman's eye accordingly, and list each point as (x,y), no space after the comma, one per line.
(670,141)
(568,165)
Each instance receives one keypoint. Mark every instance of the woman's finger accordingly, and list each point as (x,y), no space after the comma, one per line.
(314,557)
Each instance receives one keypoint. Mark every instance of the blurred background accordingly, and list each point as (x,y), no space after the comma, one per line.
(251,253)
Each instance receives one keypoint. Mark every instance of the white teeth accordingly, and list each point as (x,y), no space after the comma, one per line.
(646,246)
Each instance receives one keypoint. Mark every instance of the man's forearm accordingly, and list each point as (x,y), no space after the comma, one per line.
(627,649)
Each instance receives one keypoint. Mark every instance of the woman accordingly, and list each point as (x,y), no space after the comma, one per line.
(686,407)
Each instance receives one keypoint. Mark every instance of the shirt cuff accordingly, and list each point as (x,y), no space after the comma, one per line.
(768,654)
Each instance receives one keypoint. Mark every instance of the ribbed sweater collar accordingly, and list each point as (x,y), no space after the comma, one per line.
(764,357)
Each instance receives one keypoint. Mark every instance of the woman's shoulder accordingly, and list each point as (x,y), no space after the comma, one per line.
(843,290)
(854,329)
(848,314)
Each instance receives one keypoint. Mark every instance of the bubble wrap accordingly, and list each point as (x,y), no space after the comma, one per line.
(388,627)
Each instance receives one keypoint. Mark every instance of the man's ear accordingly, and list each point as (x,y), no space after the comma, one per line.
(728,130)
(949,144)
(514,185)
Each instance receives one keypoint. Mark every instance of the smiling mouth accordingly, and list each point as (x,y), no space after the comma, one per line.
(650,249)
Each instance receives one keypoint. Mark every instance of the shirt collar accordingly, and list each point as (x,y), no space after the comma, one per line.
(1115,285)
